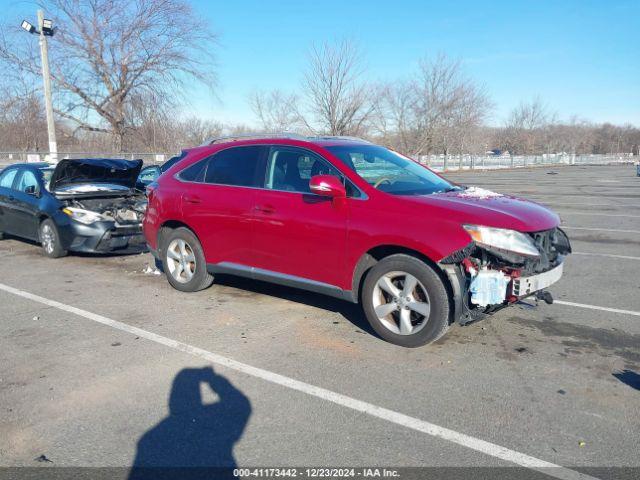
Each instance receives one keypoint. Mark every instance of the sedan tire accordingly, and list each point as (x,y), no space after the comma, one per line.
(406,301)
(50,240)
(183,261)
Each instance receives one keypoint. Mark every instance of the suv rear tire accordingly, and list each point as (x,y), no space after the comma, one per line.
(406,301)
(183,261)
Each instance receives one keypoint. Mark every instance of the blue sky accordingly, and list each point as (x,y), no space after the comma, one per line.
(580,57)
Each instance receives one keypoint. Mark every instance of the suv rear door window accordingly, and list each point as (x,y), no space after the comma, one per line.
(237,166)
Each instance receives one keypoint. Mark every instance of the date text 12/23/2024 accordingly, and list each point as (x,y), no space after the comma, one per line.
(316,472)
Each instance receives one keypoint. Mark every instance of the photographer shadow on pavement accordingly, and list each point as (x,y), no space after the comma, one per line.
(196,440)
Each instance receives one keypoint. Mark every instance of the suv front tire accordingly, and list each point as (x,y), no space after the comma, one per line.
(405,301)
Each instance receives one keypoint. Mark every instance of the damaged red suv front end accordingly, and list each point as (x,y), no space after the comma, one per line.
(518,256)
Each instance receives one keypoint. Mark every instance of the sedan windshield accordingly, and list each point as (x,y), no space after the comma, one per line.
(389,171)
(47,173)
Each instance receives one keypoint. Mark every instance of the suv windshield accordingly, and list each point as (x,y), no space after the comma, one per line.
(389,171)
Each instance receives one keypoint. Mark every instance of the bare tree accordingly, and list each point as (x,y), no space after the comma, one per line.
(22,122)
(433,111)
(276,111)
(107,52)
(394,116)
(338,100)
(525,125)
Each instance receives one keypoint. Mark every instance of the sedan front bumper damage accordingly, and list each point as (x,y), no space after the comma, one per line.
(104,237)
(525,286)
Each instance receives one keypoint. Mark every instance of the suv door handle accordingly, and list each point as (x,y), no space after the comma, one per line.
(193,200)
(11,198)
(264,208)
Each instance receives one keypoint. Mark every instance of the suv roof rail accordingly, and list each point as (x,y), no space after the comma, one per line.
(248,136)
(338,137)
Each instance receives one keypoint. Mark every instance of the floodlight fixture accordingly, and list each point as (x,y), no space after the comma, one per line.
(28,27)
(47,27)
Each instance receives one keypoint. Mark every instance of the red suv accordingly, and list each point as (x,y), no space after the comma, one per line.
(351,219)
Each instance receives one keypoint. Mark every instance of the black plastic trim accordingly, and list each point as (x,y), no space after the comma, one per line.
(280,279)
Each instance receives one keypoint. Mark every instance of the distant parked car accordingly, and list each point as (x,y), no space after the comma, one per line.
(152,172)
(87,205)
(347,218)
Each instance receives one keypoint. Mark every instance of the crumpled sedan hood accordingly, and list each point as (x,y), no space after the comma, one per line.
(483,207)
(95,171)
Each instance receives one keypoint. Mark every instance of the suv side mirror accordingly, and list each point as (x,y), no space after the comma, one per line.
(327,186)
(32,190)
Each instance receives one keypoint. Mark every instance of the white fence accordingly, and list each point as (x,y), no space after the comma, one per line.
(436,162)
(487,162)
(34,157)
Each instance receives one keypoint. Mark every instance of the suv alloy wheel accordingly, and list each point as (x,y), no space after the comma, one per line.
(183,261)
(405,301)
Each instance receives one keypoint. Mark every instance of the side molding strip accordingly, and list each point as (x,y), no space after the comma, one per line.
(280,279)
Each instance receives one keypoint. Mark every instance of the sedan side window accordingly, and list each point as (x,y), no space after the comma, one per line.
(149,174)
(28,179)
(6,179)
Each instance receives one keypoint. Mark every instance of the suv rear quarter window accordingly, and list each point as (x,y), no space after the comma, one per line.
(195,172)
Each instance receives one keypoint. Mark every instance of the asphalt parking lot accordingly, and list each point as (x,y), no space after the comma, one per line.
(113,375)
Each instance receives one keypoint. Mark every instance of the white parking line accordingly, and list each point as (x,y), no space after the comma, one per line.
(412,423)
(551,202)
(601,229)
(600,214)
(609,255)
(596,307)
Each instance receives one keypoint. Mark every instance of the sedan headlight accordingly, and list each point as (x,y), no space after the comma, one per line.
(83,216)
(503,239)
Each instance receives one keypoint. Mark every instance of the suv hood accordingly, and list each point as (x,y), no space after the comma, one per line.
(483,207)
(95,173)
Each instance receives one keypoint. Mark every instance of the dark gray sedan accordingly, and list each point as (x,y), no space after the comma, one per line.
(81,205)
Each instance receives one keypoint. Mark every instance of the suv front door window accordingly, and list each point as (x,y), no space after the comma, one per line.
(289,169)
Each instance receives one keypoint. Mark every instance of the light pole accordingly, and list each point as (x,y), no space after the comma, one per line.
(45,29)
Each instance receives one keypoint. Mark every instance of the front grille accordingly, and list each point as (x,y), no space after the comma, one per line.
(125,230)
